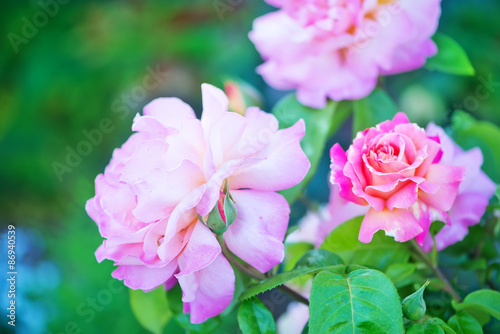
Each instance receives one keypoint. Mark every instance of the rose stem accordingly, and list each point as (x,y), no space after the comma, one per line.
(436,270)
(255,274)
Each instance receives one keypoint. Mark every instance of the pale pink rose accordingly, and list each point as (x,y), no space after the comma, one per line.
(317,225)
(293,320)
(337,48)
(173,169)
(394,168)
(473,196)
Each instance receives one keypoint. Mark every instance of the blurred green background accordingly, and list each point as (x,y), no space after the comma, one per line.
(82,63)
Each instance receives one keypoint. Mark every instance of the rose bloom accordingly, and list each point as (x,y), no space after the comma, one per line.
(394,169)
(175,170)
(337,48)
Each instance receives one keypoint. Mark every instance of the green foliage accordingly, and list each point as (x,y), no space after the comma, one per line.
(318,258)
(380,253)
(481,304)
(373,109)
(174,297)
(206,327)
(319,125)
(414,305)
(397,272)
(293,252)
(255,318)
(151,309)
(282,278)
(416,329)
(451,57)
(364,301)
(464,323)
(431,326)
(438,326)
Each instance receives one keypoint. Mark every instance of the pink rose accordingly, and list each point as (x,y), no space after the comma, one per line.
(473,195)
(394,169)
(337,48)
(170,172)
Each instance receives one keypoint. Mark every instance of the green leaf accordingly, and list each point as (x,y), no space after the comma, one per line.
(414,305)
(206,327)
(381,252)
(363,302)
(464,323)
(399,271)
(305,330)
(481,304)
(371,110)
(342,112)
(436,325)
(416,329)
(279,279)
(319,125)
(174,298)
(293,252)
(436,226)
(317,258)
(151,309)
(255,318)
(451,57)
(431,326)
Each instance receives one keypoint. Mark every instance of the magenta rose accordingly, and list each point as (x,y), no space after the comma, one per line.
(177,179)
(394,169)
(337,48)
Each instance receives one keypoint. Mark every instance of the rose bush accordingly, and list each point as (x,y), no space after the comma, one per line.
(165,182)
(337,49)
(394,168)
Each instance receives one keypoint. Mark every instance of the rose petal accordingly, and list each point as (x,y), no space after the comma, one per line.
(215,105)
(256,236)
(161,191)
(398,223)
(201,249)
(338,163)
(283,163)
(207,292)
(144,278)
(448,178)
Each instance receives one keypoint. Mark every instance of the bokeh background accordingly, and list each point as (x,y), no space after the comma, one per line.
(91,63)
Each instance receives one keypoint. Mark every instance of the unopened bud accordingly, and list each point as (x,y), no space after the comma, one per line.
(241,95)
(223,214)
(414,305)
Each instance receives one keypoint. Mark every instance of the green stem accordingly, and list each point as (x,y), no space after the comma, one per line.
(436,271)
(250,271)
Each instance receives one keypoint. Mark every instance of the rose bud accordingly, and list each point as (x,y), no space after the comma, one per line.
(223,214)
(414,305)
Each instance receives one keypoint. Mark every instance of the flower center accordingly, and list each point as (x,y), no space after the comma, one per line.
(384,152)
